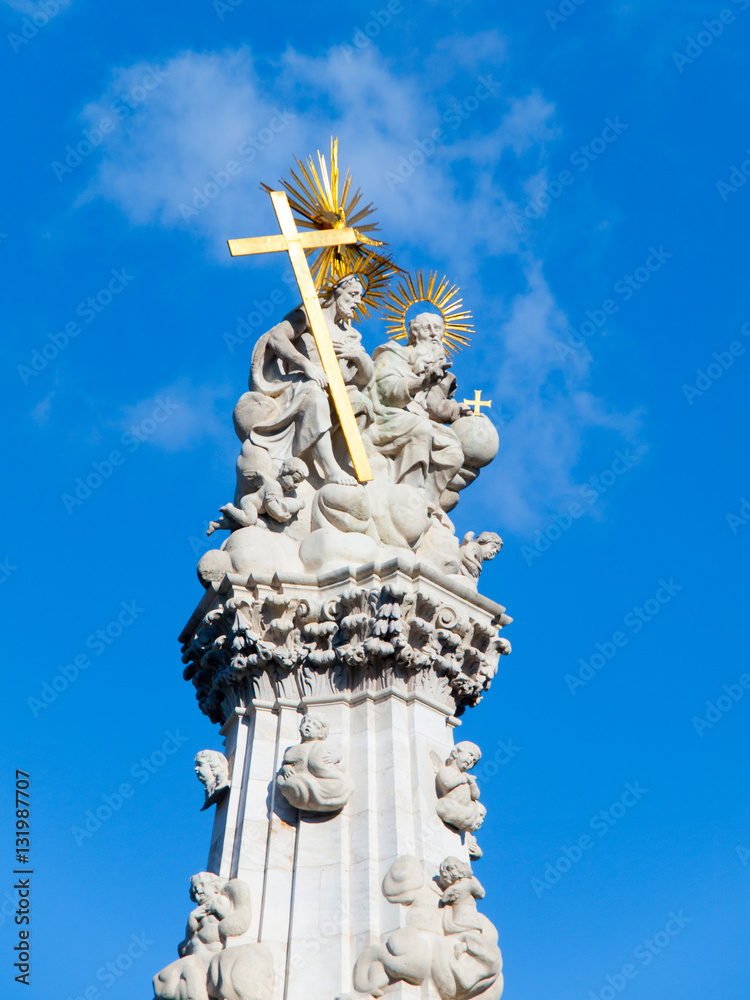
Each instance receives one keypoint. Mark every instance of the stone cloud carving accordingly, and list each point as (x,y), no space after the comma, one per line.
(212,769)
(312,775)
(458,804)
(445,940)
(296,503)
(210,965)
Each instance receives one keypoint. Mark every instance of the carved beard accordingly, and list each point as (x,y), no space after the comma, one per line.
(426,353)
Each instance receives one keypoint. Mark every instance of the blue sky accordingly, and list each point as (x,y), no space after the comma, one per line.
(588,195)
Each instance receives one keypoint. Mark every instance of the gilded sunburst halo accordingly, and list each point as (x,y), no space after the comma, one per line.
(445,297)
(320,200)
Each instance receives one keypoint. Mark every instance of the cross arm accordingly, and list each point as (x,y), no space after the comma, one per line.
(275,244)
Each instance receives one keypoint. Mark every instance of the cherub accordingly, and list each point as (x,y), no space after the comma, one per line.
(212,769)
(276,498)
(458,802)
(461,891)
(475,551)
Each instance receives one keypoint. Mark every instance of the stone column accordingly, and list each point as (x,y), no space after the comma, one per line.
(386,659)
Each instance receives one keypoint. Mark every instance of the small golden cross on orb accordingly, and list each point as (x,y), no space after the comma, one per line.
(478,402)
(295,244)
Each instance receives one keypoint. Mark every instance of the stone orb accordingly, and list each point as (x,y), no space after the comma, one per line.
(213,566)
(479,440)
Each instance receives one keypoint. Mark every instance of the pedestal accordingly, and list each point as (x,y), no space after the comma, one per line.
(388,656)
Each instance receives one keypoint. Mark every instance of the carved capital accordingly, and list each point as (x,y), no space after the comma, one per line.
(344,632)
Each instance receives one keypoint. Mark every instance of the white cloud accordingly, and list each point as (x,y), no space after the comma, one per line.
(551,408)
(446,207)
(41,411)
(28,7)
(212,108)
(181,416)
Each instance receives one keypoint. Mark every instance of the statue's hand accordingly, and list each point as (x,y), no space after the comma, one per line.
(433,374)
(349,353)
(316,375)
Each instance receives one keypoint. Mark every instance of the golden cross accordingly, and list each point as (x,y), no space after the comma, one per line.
(478,402)
(295,244)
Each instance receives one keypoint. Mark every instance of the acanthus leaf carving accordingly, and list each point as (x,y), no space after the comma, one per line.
(363,637)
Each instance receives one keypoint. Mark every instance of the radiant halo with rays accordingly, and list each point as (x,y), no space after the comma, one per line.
(375,272)
(319,200)
(412,289)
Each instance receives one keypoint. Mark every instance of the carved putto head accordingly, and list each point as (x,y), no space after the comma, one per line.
(452,869)
(313,727)
(212,769)
(490,543)
(293,471)
(465,755)
(204,885)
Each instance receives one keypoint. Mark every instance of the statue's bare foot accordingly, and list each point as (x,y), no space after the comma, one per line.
(475,851)
(342,479)
(212,527)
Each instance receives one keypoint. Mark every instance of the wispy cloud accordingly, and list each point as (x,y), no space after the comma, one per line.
(217,108)
(214,108)
(181,416)
(551,408)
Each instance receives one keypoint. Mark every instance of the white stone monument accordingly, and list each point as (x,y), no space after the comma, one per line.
(340,636)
